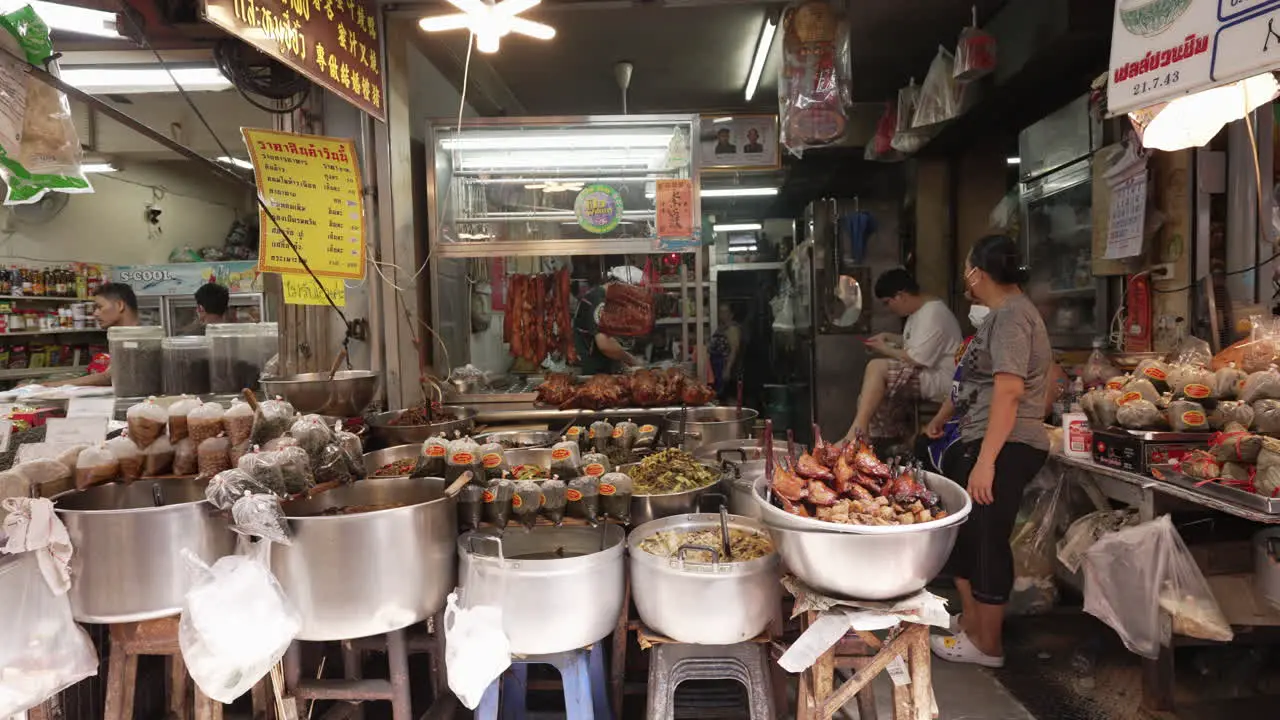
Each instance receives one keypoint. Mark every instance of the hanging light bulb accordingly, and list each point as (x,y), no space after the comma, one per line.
(1193,120)
(489,21)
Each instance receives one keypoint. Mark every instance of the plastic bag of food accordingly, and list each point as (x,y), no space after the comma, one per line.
(1191,351)
(1134,576)
(526,501)
(18,481)
(238,421)
(464,456)
(615,496)
(1139,414)
(39,149)
(815,78)
(601,433)
(274,418)
(157,458)
(906,139)
(432,460)
(582,497)
(1097,370)
(553,500)
(260,516)
(146,422)
(127,455)
(95,465)
(1156,371)
(213,456)
(646,437)
(470,506)
(1267,479)
(566,458)
(70,456)
(280,443)
(579,435)
(1238,474)
(625,434)
(349,441)
(497,501)
(264,467)
(295,469)
(596,464)
(1140,388)
(1199,464)
(1034,545)
(184,457)
(1266,416)
(311,432)
(177,417)
(236,623)
(205,422)
(228,486)
(1235,445)
(1262,385)
(1100,406)
(1228,412)
(1193,383)
(940,94)
(1118,382)
(334,465)
(975,54)
(493,458)
(1187,416)
(1228,382)
(42,649)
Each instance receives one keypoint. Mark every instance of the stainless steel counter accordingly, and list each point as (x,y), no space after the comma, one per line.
(489,413)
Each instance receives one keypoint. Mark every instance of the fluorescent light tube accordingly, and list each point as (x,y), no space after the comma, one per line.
(101,79)
(1013,160)
(734,227)
(236,162)
(762,54)
(739,192)
(744,248)
(557,159)
(98,168)
(70,18)
(556,141)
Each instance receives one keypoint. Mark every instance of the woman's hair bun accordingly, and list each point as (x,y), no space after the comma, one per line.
(1000,257)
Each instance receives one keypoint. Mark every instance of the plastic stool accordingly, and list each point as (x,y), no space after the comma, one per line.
(581,672)
(673,663)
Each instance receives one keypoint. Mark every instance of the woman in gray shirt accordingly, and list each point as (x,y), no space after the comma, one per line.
(1000,405)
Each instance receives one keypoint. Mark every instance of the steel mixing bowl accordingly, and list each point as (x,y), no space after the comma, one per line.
(347,394)
(388,435)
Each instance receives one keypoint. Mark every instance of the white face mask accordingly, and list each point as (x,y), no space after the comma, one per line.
(978,314)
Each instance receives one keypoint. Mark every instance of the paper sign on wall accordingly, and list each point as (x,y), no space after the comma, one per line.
(1127,218)
(675,208)
(303,290)
(86,430)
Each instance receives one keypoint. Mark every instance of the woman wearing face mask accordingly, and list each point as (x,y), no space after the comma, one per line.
(1003,379)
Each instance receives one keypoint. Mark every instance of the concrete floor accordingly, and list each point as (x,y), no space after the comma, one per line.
(963,692)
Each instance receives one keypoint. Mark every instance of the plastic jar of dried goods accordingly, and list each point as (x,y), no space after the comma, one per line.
(186,364)
(136,360)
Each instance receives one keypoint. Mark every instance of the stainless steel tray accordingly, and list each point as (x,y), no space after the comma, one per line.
(1226,493)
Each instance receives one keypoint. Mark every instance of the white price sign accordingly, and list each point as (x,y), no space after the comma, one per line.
(86,430)
(103,407)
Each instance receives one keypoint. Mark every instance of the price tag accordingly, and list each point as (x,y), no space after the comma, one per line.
(101,407)
(41,451)
(6,434)
(86,430)
(898,672)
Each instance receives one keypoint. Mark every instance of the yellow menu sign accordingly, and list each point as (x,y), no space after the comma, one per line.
(312,185)
(302,290)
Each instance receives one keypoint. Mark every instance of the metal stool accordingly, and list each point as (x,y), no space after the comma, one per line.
(581,672)
(673,663)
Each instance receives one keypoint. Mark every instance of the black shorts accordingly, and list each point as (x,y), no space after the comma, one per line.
(982,554)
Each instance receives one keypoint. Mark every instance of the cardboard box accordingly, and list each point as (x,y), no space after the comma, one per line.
(1136,451)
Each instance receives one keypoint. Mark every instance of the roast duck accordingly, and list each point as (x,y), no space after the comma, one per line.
(643,388)
(537,322)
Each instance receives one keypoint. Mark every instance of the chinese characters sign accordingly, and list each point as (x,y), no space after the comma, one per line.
(312,185)
(675,208)
(332,42)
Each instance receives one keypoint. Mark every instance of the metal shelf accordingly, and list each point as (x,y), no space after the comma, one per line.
(19,373)
(45,298)
(747,266)
(61,331)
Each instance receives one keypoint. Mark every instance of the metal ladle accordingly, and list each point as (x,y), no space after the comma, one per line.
(724,532)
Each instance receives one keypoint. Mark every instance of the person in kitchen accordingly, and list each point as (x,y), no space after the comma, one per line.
(212,300)
(115,305)
(1000,403)
(599,353)
(917,364)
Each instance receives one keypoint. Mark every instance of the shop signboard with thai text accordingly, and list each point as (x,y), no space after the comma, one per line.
(303,290)
(312,186)
(332,42)
(1163,49)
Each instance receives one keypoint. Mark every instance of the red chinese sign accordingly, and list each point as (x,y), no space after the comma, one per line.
(332,42)
(675,208)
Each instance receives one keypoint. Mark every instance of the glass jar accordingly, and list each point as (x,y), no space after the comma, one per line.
(235,358)
(186,364)
(268,342)
(136,360)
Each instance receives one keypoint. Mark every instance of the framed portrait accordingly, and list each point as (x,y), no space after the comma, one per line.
(740,142)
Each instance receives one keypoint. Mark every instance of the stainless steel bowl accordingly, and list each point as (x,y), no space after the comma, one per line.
(516,439)
(739,451)
(647,508)
(720,603)
(378,458)
(347,394)
(369,573)
(866,562)
(381,429)
(705,426)
(128,565)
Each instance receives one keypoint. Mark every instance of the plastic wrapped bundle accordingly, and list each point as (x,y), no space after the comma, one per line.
(553,500)
(334,465)
(596,464)
(646,437)
(1235,445)
(432,460)
(625,434)
(184,457)
(1267,480)
(239,422)
(464,456)
(497,501)
(265,468)
(600,433)
(1266,416)
(350,443)
(1155,371)
(615,496)
(295,469)
(493,459)
(260,516)
(1193,383)
(127,455)
(470,506)
(272,419)
(526,501)
(1228,382)
(566,458)
(1187,416)
(95,465)
(205,422)
(1140,388)
(1200,464)
(1100,406)
(1139,414)
(582,496)
(230,485)
(213,456)
(177,417)
(1228,412)
(579,435)
(280,443)
(157,458)
(1118,382)
(1262,385)
(147,422)
(312,433)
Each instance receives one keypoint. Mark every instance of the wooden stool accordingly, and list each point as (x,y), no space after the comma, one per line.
(153,637)
(353,688)
(863,652)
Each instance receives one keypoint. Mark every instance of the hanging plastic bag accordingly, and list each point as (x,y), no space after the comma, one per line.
(940,94)
(476,650)
(881,146)
(1143,582)
(906,139)
(1034,545)
(42,649)
(236,622)
(39,149)
(814,82)
(975,52)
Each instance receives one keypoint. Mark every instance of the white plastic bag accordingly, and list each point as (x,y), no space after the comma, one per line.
(236,622)
(476,650)
(42,650)
(940,94)
(1143,582)
(1033,544)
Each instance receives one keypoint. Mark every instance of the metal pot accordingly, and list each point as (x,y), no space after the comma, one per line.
(519,438)
(738,480)
(381,429)
(345,393)
(647,508)
(128,565)
(704,426)
(720,603)
(549,604)
(369,573)
(738,451)
(1266,564)
(376,459)
(866,562)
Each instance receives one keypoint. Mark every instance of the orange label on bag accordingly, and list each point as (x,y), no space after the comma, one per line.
(617,432)
(1196,390)
(574,432)
(591,434)
(492,460)
(573,495)
(435,451)
(517,501)
(607,489)
(561,454)
(648,428)
(488,496)
(463,458)
(1115,385)
(1193,418)
(594,470)
(1129,397)
(1156,374)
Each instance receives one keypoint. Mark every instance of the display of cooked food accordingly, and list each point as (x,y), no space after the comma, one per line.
(538,322)
(670,471)
(529,471)
(744,545)
(643,388)
(418,415)
(848,484)
(396,468)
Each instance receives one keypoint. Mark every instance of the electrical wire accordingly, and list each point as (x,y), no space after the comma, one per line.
(274,81)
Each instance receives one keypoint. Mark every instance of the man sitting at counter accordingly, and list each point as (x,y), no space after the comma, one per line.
(115,305)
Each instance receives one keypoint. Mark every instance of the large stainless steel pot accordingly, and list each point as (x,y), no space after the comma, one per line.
(558,589)
(865,562)
(704,426)
(716,603)
(519,438)
(128,540)
(381,429)
(737,481)
(345,393)
(647,508)
(378,458)
(369,573)
(738,451)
